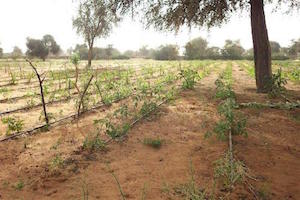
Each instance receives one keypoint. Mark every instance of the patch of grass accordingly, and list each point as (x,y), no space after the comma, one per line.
(55,146)
(264,192)
(57,162)
(19,185)
(165,188)
(144,192)
(154,143)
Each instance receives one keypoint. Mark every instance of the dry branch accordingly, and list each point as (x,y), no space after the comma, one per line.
(83,94)
(41,90)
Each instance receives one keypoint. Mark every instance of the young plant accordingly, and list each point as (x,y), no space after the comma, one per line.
(114,130)
(231,122)
(19,185)
(229,172)
(147,108)
(13,78)
(275,86)
(14,125)
(223,91)
(154,143)
(93,142)
(189,77)
(57,162)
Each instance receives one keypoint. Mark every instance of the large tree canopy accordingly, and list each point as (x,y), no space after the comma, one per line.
(170,14)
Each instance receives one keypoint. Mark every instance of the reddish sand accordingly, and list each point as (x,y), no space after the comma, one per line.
(271,152)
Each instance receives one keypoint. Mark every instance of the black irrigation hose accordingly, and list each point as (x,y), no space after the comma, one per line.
(25,96)
(33,95)
(25,108)
(29,131)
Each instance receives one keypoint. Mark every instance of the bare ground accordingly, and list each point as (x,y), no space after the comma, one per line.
(271,152)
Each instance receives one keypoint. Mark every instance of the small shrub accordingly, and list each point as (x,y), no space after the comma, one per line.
(114,130)
(13,125)
(13,78)
(93,142)
(147,108)
(275,86)
(223,91)
(75,58)
(229,172)
(155,143)
(231,121)
(189,77)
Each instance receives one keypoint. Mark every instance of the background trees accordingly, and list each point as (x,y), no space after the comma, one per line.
(171,15)
(94,19)
(196,49)
(232,50)
(42,48)
(1,52)
(51,44)
(166,52)
(36,48)
(294,50)
(16,53)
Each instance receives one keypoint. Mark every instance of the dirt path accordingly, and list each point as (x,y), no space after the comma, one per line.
(272,150)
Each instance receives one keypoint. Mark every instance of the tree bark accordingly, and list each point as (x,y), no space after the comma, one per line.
(90,56)
(261,46)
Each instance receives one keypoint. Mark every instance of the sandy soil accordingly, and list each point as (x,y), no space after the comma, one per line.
(271,152)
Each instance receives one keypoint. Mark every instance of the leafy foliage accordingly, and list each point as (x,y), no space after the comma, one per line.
(155,143)
(93,142)
(13,124)
(229,172)
(189,77)
(275,86)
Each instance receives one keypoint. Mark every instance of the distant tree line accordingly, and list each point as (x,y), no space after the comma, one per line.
(98,53)
(197,48)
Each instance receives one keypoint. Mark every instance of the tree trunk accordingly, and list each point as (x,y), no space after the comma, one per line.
(90,56)
(261,46)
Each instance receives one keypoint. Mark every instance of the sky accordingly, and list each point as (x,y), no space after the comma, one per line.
(20,19)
